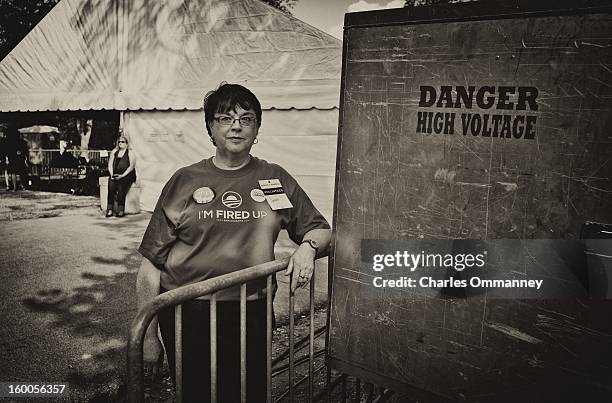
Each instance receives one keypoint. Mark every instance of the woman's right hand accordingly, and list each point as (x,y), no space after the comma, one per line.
(153,356)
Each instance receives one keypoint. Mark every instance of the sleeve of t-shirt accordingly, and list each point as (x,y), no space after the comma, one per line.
(161,231)
(304,216)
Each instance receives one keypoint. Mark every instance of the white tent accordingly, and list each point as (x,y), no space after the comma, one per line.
(155,60)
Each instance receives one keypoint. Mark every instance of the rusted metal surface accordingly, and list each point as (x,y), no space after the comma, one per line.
(396,182)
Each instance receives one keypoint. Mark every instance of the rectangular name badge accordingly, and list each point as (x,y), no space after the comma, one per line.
(275,194)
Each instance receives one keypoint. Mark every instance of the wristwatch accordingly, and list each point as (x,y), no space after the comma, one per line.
(313,244)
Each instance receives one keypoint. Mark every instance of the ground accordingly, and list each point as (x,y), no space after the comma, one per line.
(64,267)
(22,205)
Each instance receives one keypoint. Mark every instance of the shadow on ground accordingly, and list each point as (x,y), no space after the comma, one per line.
(89,312)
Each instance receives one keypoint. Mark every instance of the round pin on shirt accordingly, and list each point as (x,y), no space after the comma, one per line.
(258,195)
(203,195)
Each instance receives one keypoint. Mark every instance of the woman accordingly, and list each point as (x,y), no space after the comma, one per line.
(213,218)
(122,169)
(3,158)
(64,158)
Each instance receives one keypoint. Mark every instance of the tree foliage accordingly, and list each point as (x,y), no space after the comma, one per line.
(18,17)
(283,5)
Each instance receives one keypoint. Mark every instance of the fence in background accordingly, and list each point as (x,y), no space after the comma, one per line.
(44,157)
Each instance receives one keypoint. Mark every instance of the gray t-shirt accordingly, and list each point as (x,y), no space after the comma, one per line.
(226,226)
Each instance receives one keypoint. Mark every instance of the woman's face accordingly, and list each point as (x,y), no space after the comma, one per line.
(122,143)
(236,138)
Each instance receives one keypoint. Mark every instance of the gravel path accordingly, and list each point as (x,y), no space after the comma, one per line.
(27,204)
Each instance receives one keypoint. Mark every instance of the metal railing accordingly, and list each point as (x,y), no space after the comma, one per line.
(48,173)
(44,156)
(42,164)
(209,287)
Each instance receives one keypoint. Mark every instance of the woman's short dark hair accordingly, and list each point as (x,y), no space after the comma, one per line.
(225,99)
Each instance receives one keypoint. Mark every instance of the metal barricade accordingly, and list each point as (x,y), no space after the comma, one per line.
(209,287)
(47,167)
(44,157)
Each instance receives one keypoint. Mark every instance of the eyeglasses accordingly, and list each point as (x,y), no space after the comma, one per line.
(229,121)
(121,141)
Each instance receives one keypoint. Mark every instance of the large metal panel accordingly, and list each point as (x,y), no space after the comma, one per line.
(545,68)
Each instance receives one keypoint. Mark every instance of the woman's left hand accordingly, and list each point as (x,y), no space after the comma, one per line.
(301,266)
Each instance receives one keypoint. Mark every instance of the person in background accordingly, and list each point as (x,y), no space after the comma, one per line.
(213,218)
(3,159)
(17,156)
(64,159)
(122,170)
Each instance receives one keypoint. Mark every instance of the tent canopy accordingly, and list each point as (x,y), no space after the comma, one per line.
(38,129)
(165,54)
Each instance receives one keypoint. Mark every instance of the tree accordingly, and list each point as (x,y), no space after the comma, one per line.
(17,18)
(283,5)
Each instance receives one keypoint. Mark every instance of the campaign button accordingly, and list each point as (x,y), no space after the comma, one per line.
(203,195)
(258,195)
